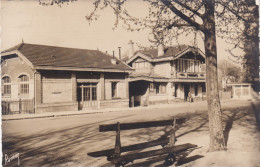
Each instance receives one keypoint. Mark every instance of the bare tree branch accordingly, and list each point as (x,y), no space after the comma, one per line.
(183,16)
(189,8)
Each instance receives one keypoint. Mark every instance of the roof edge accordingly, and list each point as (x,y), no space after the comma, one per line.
(160,59)
(19,54)
(82,69)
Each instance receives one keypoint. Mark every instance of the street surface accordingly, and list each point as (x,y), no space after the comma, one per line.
(65,141)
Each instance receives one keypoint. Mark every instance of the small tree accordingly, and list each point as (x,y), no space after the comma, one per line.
(228,72)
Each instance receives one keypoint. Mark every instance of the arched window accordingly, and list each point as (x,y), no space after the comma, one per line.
(6,86)
(24,85)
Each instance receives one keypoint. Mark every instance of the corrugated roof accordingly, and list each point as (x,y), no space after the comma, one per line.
(43,55)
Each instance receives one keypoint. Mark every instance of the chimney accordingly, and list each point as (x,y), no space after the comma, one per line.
(160,50)
(130,49)
(119,52)
(113,60)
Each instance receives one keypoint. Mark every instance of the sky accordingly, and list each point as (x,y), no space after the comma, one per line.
(67,26)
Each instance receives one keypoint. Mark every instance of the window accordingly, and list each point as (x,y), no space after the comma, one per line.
(114,89)
(191,66)
(163,88)
(203,87)
(176,90)
(94,93)
(187,65)
(24,85)
(87,91)
(6,86)
(160,88)
(196,66)
(180,63)
(157,87)
(151,87)
(142,64)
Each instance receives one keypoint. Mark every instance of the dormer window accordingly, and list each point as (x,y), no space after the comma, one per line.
(141,64)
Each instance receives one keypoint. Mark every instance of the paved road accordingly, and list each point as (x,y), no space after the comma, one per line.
(65,141)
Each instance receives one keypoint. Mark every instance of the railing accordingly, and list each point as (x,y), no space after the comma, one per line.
(17,106)
(195,75)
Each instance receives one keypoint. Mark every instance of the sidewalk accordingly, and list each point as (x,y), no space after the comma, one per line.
(92,111)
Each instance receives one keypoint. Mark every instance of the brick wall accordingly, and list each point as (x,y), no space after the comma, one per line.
(13,67)
(121,85)
(56,87)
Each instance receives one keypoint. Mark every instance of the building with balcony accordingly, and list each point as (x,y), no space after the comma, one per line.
(166,75)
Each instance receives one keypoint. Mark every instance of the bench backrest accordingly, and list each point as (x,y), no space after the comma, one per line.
(139,125)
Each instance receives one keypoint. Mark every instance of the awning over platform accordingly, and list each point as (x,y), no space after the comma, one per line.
(187,80)
(148,79)
(151,77)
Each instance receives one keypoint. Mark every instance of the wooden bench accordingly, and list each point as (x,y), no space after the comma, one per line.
(168,143)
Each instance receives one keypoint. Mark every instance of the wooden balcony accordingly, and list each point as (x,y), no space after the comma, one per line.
(189,75)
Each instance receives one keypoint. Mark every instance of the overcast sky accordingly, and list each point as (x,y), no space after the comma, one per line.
(67,27)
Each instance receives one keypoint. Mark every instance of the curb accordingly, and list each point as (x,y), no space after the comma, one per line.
(83,113)
(47,116)
(72,114)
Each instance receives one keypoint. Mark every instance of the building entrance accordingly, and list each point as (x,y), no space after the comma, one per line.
(186,91)
(87,95)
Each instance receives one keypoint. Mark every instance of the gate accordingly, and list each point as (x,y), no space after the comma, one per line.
(87,95)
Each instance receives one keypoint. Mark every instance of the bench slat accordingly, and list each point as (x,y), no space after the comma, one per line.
(138,125)
(133,156)
(133,147)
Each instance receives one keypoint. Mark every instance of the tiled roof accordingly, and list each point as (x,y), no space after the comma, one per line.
(170,51)
(42,55)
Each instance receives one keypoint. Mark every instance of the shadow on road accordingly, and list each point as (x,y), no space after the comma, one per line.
(70,146)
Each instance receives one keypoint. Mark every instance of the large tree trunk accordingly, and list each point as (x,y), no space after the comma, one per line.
(217,141)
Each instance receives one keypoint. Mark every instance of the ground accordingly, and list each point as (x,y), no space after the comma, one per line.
(65,141)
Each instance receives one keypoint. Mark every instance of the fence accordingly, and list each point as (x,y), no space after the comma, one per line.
(17,106)
(225,95)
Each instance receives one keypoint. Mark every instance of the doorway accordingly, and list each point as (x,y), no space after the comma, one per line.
(87,95)
(186,91)
(137,90)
